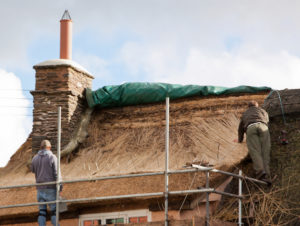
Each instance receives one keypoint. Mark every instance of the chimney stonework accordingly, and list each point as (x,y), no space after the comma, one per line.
(57,84)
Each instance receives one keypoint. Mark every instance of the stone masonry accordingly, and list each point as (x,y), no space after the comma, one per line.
(57,85)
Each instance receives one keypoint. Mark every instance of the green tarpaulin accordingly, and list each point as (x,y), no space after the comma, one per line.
(143,93)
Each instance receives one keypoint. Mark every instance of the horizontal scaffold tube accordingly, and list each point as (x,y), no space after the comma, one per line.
(136,175)
(85,180)
(238,176)
(111,197)
(228,194)
(101,178)
(27,204)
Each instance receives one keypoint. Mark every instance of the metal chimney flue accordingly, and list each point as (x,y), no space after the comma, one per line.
(66,36)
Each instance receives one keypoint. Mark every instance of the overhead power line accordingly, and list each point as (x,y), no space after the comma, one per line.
(15,107)
(10,115)
(12,98)
(28,90)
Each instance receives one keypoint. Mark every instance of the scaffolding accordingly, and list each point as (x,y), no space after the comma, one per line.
(166,173)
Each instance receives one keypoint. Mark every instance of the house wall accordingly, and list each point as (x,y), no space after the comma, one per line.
(195,221)
(57,85)
(199,211)
(160,215)
(67,222)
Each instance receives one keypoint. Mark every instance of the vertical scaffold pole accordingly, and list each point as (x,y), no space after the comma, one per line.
(240,200)
(207,199)
(58,164)
(167,164)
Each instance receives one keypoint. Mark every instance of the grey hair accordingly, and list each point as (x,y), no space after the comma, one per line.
(252,103)
(45,144)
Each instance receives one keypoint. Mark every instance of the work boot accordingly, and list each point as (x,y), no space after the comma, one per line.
(266,178)
(260,175)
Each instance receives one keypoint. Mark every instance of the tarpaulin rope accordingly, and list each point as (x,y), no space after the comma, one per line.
(281,106)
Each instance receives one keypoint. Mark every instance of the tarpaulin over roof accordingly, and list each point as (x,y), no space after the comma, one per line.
(144,93)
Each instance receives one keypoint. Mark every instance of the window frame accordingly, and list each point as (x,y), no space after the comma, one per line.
(120,214)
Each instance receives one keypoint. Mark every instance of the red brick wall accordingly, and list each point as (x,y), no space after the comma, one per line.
(67,222)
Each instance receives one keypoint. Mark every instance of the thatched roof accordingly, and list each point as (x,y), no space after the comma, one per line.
(131,140)
(278,204)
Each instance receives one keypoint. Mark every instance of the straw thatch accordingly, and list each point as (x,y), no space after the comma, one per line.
(280,204)
(131,139)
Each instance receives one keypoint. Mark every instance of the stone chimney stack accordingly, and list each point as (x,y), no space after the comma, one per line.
(59,82)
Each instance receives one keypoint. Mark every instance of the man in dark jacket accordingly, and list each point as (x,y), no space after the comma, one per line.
(44,166)
(254,123)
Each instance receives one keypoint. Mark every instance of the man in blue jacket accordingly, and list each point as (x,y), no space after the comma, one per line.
(44,166)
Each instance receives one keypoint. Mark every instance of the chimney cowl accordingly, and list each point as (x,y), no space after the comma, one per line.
(66,15)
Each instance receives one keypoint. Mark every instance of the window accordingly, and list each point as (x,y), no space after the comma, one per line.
(134,216)
(92,222)
(138,219)
(115,221)
(105,221)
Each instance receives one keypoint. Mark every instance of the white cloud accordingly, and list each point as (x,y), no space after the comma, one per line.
(246,66)
(172,33)
(257,68)
(152,60)
(191,23)
(94,64)
(15,126)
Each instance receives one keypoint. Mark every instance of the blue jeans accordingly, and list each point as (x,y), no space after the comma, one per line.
(46,195)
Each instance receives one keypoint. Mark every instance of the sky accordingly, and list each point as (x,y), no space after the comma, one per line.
(224,43)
